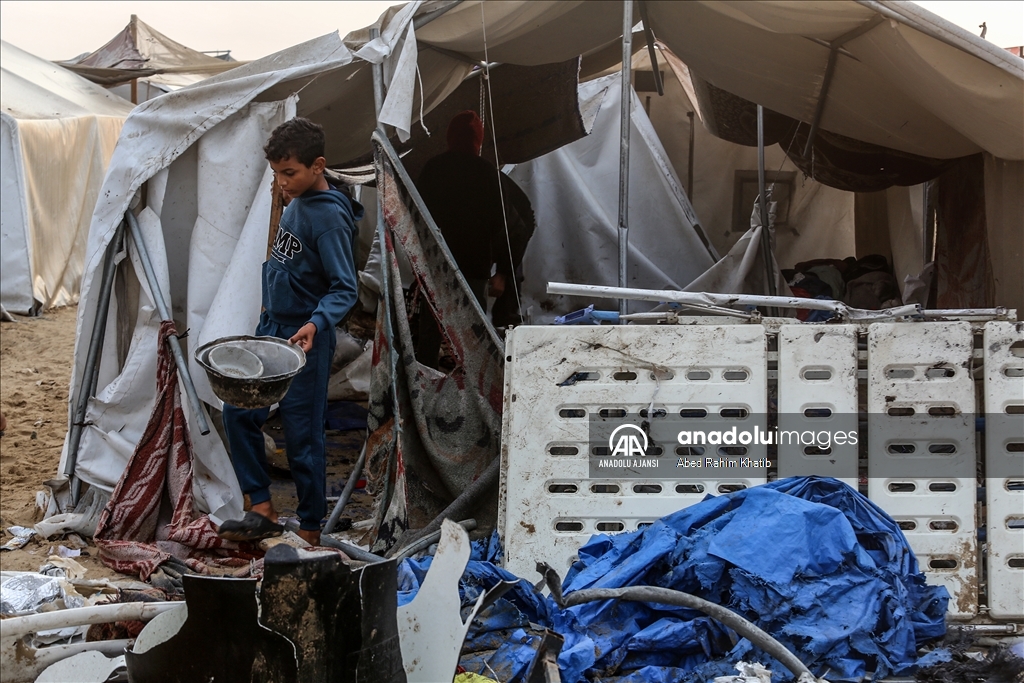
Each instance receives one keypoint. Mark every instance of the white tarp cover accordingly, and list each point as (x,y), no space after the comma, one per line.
(920,85)
(58,132)
(574,192)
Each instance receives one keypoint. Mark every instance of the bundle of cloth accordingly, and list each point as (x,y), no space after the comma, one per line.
(866,283)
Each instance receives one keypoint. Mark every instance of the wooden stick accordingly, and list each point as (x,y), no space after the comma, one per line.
(276,209)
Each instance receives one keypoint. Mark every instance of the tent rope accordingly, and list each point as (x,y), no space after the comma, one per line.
(497,162)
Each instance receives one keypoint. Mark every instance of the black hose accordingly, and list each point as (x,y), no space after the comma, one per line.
(667,596)
(427,541)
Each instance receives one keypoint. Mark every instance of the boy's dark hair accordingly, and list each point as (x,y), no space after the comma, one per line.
(299,138)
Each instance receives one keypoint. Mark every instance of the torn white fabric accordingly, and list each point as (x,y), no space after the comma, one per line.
(398,105)
(574,192)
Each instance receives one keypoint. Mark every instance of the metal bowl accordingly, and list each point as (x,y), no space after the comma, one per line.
(281,361)
(232,360)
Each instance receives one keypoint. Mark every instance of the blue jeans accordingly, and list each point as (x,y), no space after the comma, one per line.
(303,415)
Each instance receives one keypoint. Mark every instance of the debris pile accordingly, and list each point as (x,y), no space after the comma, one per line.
(808,560)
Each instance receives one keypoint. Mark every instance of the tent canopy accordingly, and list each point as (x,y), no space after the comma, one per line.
(140,50)
(904,78)
(59,131)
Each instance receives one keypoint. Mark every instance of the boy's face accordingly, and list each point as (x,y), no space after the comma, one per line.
(295,177)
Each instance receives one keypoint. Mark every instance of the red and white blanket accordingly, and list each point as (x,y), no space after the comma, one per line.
(130,535)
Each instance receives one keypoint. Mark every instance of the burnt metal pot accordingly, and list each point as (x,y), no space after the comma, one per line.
(281,360)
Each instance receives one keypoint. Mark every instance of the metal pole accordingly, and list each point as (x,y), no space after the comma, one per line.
(165,314)
(624,126)
(766,240)
(346,493)
(689,172)
(717,299)
(92,361)
(652,52)
(819,109)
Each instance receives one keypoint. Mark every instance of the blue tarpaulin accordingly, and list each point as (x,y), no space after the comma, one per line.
(809,560)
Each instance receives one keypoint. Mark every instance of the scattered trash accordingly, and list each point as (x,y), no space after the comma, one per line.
(587,316)
(749,673)
(87,667)
(22,535)
(472,678)
(82,520)
(430,626)
(22,592)
(1000,666)
(63,567)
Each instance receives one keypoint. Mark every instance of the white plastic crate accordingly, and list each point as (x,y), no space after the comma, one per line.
(1004,454)
(550,505)
(818,391)
(922,459)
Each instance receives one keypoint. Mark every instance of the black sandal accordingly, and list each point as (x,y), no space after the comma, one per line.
(252,527)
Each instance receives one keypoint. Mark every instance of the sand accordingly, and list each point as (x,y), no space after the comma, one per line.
(35,373)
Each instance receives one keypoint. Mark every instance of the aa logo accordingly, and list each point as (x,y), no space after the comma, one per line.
(628,441)
(286,246)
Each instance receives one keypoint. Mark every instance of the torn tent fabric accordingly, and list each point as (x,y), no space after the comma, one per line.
(137,532)
(430,434)
(809,560)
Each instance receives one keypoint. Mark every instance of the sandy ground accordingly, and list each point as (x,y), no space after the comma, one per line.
(35,373)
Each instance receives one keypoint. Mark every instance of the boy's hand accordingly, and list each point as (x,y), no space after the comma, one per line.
(304,337)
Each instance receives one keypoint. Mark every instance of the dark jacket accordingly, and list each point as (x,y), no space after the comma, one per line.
(462,194)
(311,274)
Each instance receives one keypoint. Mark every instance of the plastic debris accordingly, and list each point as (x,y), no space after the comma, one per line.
(63,567)
(22,535)
(82,520)
(25,591)
(587,316)
(749,673)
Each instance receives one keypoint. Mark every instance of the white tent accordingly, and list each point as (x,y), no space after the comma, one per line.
(59,131)
(192,159)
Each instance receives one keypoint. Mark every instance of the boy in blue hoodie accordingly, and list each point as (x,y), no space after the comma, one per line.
(309,285)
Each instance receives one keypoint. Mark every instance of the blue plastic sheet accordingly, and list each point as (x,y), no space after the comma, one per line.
(809,560)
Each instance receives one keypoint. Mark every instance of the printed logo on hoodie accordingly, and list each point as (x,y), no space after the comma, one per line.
(286,246)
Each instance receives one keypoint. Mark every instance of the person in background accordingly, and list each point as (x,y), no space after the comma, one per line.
(463,193)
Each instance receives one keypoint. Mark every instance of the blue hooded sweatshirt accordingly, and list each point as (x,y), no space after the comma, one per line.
(311,274)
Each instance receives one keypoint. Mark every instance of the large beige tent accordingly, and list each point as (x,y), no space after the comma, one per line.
(814,220)
(903,80)
(59,131)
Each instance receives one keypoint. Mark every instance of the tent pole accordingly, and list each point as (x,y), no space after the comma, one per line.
(689,173)
(624,126)
(651,50)
(165,314)
(766,240)
(92,361)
